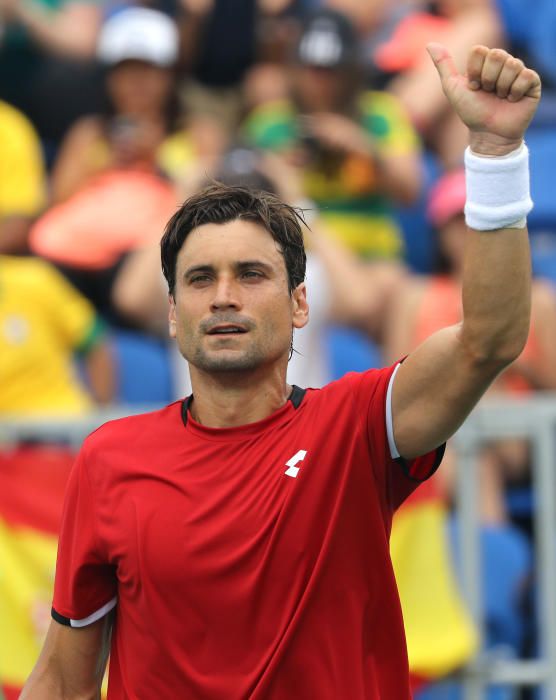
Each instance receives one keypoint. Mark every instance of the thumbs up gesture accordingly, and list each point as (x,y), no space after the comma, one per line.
(496,98)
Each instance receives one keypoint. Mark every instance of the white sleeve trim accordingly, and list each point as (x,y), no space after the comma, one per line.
(101,612)
(389,422)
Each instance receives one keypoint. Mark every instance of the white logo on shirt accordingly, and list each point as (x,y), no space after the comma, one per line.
(292,470)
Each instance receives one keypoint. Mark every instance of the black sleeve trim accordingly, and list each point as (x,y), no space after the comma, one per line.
(60,618)
(406,465)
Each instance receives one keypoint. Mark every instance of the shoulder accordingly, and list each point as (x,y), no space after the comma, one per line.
(357,387)
(133,433)
(15,122)
(28,273)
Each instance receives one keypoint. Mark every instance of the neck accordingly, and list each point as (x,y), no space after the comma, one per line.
(227,400)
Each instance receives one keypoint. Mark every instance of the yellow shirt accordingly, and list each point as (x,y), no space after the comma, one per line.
(22,175)
(43,321)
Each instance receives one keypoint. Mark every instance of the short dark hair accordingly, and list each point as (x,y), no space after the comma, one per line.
(217,204)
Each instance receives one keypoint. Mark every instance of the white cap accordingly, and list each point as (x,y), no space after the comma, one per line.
(138,33)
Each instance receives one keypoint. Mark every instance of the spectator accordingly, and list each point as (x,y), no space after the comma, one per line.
(426,305)
(46,61)
(357,151)
(43,323)
(221,40)
(22,179)
(141,130)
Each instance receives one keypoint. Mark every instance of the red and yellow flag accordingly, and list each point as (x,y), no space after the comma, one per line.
(32,483)
(440,633)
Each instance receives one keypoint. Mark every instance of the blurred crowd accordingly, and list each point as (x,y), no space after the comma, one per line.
(113,111)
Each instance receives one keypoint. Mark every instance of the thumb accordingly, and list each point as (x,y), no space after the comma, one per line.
(443,61)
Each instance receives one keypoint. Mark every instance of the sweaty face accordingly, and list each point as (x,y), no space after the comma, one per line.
(232,309)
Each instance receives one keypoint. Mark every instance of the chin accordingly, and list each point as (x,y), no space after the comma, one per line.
(226,361)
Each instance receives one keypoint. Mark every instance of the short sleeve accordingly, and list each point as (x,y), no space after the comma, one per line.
(85,587)
(71,313)
(397,477)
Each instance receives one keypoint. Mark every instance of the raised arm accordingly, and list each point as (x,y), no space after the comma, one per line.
(72,663)
(439,384)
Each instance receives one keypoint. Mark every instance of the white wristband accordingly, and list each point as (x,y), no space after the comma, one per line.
(497,190)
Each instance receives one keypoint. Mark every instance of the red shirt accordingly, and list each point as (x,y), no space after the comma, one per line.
(247,562)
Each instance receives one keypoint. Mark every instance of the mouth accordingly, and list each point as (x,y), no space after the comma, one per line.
(227,329)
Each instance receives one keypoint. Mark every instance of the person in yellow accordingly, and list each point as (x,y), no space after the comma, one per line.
(44,321)
(357,151)
(22,178)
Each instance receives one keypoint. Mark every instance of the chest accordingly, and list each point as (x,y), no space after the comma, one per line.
(250,509)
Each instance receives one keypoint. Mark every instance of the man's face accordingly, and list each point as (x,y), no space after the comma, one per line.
(232,309)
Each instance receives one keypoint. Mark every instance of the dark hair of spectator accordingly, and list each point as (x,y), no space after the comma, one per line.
(218,204)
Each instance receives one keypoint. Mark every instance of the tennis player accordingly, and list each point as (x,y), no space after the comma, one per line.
(234,545)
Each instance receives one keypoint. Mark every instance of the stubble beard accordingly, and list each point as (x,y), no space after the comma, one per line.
(217,362)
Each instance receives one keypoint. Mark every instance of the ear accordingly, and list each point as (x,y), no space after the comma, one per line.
(300,306)
(172,316)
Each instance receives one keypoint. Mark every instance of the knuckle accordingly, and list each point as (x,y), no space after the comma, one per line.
(498,55)
(516,63)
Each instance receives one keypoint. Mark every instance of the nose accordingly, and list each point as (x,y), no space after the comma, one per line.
(226,295)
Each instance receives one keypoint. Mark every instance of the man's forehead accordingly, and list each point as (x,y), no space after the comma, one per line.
(229,243)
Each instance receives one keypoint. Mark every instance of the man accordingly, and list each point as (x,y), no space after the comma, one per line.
(242,535)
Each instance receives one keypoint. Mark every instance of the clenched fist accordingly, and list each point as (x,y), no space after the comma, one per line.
(496,98)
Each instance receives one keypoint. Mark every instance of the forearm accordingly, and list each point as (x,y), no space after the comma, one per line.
(72,32)
(46,683)
(14,234)
(72,663)
(400,178)
(496,295)
(100,373)
(497,268)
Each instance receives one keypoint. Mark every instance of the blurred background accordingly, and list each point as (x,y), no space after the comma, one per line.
(112,112)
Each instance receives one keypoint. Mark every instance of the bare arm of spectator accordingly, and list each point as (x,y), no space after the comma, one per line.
(474,22)
(70,31)
(71,664)
(274,7)
(398,176)
(73,167)
(139,292)
(360,293)
(14,231)
(99,368)
(191,23)
(400,327)
(539,368)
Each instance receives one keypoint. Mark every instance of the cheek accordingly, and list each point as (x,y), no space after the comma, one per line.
(277,320)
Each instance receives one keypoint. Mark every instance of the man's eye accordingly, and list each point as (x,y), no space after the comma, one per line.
(251,274)
(199,279)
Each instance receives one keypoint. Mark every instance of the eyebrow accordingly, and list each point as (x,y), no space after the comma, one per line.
(239,266)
